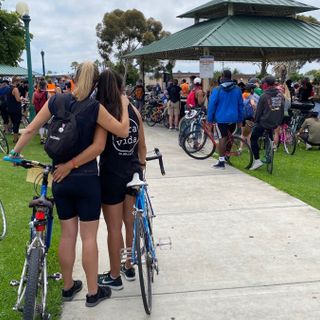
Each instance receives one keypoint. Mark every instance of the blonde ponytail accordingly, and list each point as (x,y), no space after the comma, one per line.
(86,77)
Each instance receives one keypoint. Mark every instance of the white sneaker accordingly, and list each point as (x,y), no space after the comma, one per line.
(308,146)
(256,164)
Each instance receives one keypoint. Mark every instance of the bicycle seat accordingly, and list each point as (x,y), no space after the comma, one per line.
(40,202)
(135,182)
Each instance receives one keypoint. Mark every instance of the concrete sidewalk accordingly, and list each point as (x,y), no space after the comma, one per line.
(241,248)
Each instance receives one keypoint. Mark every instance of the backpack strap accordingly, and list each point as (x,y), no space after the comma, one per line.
(61,102)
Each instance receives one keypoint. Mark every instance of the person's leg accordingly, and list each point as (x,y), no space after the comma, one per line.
(176,114)
(257,132)
(128,219)
(15,119)
(88,233)
(170,112)
(276,136)
(67,250)
(113,217)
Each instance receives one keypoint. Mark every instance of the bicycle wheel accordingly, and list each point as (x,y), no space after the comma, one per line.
(144,260)
(269,155)
(24,121)
(3,222)
(239,154)
(33,276)
(290,142)
(4,146)
(153,117)
(198,145)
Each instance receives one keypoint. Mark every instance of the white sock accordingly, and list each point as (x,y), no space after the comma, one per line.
(221,159)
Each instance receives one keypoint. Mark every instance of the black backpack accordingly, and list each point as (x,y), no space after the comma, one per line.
(63,133)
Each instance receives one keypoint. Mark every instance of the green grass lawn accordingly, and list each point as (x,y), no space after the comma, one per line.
(298,175)
(15,193)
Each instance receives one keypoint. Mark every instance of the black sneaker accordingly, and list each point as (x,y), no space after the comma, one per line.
(129,274)
(219,165)
(102,294)
(68,295)
(105,280)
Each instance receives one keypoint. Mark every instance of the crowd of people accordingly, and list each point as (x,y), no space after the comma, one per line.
(109,126)
(253,107)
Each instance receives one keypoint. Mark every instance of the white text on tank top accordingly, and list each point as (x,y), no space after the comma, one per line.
(125,146)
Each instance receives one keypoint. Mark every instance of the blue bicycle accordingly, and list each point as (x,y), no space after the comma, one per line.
(143,251)
(33,284)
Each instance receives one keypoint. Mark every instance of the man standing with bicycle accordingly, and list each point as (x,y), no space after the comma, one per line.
(269,115)
(226,110)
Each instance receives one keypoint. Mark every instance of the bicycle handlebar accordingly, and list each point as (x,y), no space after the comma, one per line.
(27,164)
(157,156)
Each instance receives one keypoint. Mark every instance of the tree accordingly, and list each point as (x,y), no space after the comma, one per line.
(121,32)
(308,19)
(11,38)
(74,66)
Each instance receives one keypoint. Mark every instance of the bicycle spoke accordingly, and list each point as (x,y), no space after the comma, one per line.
(239,153)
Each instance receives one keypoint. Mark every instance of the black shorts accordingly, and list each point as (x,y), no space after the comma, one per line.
(114,189)
(78,196)
(223,129)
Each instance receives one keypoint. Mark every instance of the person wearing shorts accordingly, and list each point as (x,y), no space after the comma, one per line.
(226,110)
(174,105)
(121,158)
(76,185)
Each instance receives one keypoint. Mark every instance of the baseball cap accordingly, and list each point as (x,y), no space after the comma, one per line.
(269,80)
(254,80)
(197,80)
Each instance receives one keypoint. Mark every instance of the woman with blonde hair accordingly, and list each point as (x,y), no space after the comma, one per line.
(76,186)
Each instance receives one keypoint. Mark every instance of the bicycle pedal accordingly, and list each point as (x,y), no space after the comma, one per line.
(125,254)
(164,243)
(14,283)
(56,276)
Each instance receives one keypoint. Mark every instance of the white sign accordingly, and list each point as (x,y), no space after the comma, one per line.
(206,67)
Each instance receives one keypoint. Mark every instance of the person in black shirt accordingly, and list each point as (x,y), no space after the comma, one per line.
(121,158)
(76,186)
(174,104)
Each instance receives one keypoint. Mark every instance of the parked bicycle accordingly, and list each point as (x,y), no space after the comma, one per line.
(4,145)
(158,113)
(33,284)
(3,222)
(143,250)
(201,144)
(288,139)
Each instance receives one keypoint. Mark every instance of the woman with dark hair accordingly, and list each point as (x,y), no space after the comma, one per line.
(121,158)
(76,186)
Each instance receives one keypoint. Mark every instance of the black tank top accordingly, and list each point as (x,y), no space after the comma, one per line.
(13,105)
(120,156)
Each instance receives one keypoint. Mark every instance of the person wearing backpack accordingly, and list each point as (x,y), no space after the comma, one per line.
(269,115)
(139,93)
(196,97)
(39,98)
(76,184)
(226,110)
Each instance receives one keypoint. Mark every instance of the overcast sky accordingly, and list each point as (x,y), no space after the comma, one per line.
(65,30)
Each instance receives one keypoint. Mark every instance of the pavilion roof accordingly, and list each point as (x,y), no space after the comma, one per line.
(239,38)
(219,8)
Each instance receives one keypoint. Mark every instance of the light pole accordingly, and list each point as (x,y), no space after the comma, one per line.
(23,10)
(43,68)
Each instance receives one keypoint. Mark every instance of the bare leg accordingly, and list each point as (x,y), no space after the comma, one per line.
(170,120)
(113,217)
(128,218)
(176,120)
(67,249)
(88,233)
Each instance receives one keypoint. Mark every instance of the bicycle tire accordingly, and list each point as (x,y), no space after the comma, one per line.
(3,222)
(150,118)
(269,155)
(29,309)
(198,145)
(290,142)
(4,145)
(240,154)
(142,252)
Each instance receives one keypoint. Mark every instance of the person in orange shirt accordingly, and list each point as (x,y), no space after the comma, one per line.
(184,94)
(51,87)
